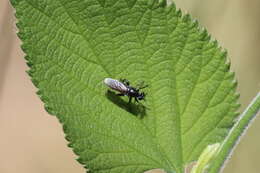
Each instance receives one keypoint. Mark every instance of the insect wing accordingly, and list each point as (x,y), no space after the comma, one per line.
(115,85)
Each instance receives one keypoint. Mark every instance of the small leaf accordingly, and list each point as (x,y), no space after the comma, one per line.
(191,103)
(205,158)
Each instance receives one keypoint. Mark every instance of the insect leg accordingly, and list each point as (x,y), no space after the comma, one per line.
(143,87)
(125,81)
(136,100)
(130,99)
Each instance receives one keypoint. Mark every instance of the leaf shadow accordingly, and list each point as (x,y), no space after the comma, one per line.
(136,109)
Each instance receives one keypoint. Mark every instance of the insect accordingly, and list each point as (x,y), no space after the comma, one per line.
(123,86)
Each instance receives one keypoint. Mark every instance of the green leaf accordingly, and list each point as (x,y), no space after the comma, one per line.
(206,158)
(191,103)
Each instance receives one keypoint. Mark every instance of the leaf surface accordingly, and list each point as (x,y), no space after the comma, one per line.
(71,46)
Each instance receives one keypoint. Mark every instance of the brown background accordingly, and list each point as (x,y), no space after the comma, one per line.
(33,142)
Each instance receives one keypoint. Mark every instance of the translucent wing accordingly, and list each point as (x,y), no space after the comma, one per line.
(115,85)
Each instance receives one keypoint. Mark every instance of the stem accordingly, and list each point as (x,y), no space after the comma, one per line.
(234,136)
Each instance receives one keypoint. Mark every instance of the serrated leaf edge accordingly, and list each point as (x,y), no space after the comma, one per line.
(155,4)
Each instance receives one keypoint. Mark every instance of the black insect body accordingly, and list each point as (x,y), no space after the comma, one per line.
(123,86)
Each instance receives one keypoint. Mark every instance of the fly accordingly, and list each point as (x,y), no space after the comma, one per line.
(124,89)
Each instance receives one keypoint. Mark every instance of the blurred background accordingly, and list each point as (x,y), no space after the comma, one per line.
(33,141)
